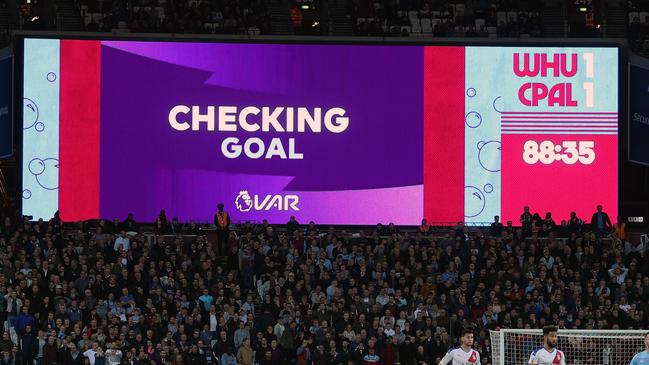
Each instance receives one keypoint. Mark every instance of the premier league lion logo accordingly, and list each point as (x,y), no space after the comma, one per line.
(243,201)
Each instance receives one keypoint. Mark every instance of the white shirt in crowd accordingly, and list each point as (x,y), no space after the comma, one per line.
(90,354)
(123,241)
(114,356)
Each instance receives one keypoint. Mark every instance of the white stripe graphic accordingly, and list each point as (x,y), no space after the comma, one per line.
(557,132)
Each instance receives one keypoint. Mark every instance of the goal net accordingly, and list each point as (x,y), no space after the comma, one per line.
(581,347)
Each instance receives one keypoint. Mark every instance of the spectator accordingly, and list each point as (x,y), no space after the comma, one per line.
(222,223)
(228,358)
(292,225)
(50,351)
(240,335)
(122,242)
(496,227)
(424,227)
(93,353)
(114,354)
(24,319)
(601,222)
(129,224)
(245,355)
(28,344)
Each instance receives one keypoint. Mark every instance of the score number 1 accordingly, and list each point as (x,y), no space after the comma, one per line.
(589,59)
(568,151)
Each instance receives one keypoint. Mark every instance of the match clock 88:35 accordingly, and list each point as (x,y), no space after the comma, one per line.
(568,152)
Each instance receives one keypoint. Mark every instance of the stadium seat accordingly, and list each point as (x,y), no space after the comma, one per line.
(460,9)
(501,17)
(643,17)
(426,25)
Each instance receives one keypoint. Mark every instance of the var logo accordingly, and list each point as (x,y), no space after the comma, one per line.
(246,202)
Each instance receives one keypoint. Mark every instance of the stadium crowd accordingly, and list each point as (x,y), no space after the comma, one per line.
(117,293)
(484,18)
(185,16)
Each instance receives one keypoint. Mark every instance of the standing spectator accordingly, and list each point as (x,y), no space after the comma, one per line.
(245,355)
(222,223)
(292,225)
(574,224)
(13,308)
(5,343)
(114,354)
(228,358)
(129,224)
(93,353)
(600,222)
(496,227)
(371,358)
(206,299)
(303,353)
(122,242)
(241,334)
(162,223)
(526,220)
(620,228)
(50,351)
(42,341)
(424,227)
(193,357)
(28,344)
(24,319)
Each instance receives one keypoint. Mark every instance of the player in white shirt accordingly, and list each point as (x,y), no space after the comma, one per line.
(548,354)
(464,354)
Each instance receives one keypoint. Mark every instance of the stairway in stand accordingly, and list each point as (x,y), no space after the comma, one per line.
(341,22)
(8,22)
(68,16)
(616,22)
(280,18)
(553,23)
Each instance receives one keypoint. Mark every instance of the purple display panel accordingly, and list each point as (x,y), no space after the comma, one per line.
(370,172)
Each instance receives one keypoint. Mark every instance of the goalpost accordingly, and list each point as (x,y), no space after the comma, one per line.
(581,347)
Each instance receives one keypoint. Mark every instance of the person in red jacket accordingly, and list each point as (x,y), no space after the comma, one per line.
(50,351)
(390,351)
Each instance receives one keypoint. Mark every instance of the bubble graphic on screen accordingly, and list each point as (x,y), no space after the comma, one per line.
(45,171)
(495,102)
(27,194)
(488,188)
(30,113)
(473,119)
(39,126)
(51,76)
(489,155)
(36,166)
(470,92)
(474,201)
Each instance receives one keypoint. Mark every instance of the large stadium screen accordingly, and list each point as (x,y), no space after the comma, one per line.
(336,134)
